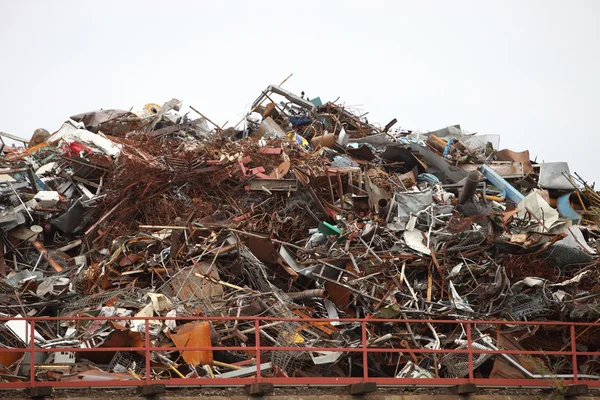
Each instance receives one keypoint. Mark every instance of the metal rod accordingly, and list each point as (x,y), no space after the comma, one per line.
(365,354)
(40,247)
(257,340)
(31,326)
(309,294)
(206,118)
(470,352)
(574,352)
(147,348)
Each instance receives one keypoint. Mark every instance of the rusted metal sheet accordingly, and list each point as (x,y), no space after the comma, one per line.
(194,334)
(522,157)
(504,169)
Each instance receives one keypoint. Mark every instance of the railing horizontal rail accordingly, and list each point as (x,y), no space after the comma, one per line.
(305,320)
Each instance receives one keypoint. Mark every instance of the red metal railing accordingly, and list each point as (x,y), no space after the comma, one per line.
(365,348)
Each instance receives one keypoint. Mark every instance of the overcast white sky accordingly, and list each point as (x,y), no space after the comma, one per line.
(527,70)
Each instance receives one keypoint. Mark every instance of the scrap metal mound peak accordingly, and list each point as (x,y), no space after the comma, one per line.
(303,210)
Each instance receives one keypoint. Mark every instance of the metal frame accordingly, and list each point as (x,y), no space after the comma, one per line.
(313,381)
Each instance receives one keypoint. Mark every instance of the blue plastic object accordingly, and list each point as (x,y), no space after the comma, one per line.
(300,120)
(448,145)
(426,177)
(565,209)
(40,184)
(508,191)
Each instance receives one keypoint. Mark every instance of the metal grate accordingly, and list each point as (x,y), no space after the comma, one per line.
(526,306)
(288,361)
(457,364)
(124,361)
(196,292)
(92,301)
(468,241)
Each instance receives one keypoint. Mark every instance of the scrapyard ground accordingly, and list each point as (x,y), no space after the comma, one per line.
(307,393)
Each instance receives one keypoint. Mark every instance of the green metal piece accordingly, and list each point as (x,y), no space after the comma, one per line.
(317,101)
(328,229)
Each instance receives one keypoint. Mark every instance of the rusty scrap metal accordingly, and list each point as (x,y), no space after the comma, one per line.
(162,217)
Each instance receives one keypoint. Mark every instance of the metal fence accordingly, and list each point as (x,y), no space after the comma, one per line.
(471,352)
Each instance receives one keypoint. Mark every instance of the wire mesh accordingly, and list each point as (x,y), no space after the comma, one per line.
(457,364)
(469,240)
(525,306)
(196,292)
(129,293)
(124,361)
(288,336)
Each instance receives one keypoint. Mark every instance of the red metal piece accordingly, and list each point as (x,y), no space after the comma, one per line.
(257,334)
(270,150)
(40,247)
(147,349)
(574,353)
(32,353)
(365,354)
(242,217)
(470,352)
(254,171)
(282,380)
(298,319)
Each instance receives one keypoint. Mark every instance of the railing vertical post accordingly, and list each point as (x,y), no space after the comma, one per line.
(574,353)
(147,348)
(32,351)
(365,355)
(257,336)
(470,352)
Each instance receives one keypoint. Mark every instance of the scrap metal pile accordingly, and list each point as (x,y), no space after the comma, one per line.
(306,210)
